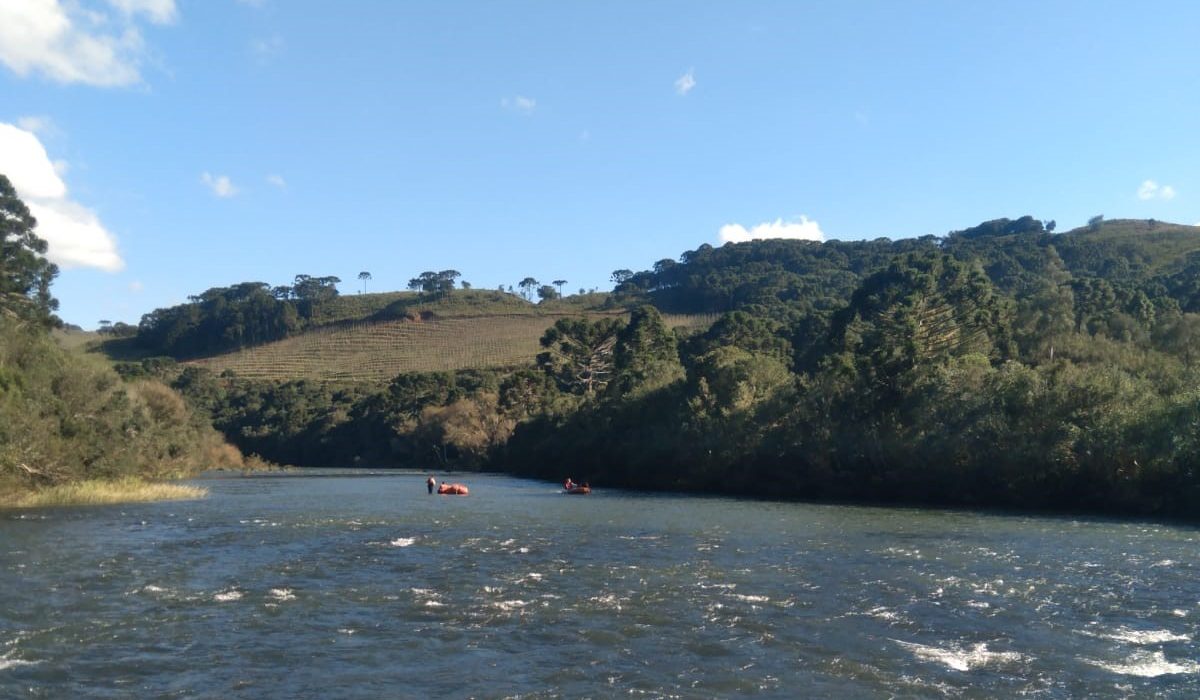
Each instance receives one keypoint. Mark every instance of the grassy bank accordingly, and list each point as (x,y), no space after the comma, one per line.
(102,492)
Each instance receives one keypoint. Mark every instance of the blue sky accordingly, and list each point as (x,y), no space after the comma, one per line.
(169,146)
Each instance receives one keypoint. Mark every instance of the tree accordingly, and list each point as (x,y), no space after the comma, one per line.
(1095,222)
(546,293)
(315,289)
(25,274)
(620,276)
(435,283)
(559,284)
(364,276)
(579,353)
(528,285)
(647,357)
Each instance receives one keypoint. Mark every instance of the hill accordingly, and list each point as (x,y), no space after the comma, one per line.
(420,342)
(1000,365)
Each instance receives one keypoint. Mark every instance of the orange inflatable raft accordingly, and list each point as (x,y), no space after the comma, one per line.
(452,489)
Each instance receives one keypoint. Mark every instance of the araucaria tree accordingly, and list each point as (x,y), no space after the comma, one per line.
(25,274)
(528,285)
(579,353)
(364,276)
(436,284)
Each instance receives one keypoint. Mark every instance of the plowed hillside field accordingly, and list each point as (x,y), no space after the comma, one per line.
(379,351)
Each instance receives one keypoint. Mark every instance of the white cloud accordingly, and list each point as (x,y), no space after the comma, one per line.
(685,82)
(36,124)
(157,11)
(66,43)
(265,48)
(1152,190)
(805,229)
(220,185)
(278,181)
(520,103)
(74,234)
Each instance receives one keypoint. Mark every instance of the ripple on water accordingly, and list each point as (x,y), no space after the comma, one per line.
(1141,637)
(959,659)
(1147,665)
(228,596)
(6,663)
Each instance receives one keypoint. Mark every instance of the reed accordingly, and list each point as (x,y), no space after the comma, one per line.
(103,492)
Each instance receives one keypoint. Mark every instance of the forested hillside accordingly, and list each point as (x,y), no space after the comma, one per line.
(66,418)
(1001,365)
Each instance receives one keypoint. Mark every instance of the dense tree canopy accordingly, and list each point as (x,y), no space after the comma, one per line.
(25,274)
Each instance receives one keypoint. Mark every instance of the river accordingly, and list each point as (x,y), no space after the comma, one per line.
(360,585)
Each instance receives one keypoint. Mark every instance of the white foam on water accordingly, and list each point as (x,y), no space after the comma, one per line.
(1179,612)
(531,576)
(403,541)
(510,605)
(282,594)
(978,604)
(346,631)
(608,600)
(1164,562)
(151,588)
(13,663)
(434,604)
(751,598)
(1147,665)
(1142,637)
(960,659)
(227,596)
(883,613)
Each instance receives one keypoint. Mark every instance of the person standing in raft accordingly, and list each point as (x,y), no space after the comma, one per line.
(568,484)
(430,483)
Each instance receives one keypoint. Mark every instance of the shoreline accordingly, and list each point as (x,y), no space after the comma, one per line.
(94,492)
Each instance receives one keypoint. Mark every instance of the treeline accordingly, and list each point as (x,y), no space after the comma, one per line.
(65,417)
(983,368)
(227,318)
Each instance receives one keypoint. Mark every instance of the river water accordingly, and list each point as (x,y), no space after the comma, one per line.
(340,584)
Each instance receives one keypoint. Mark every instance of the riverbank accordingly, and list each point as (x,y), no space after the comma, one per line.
(103,492)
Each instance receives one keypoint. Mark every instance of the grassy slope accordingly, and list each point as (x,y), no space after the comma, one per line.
(1161,246)
(374,337)
(375,351)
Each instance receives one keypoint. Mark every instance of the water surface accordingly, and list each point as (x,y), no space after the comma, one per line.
(359,584)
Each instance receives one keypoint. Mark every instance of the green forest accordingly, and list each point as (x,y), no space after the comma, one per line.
(1003,365)
(65,417)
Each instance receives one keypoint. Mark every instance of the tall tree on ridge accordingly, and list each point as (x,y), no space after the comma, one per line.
(25,274)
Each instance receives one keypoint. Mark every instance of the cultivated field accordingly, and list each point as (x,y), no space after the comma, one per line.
(365,351)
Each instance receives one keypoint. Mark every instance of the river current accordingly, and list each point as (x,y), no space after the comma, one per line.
(361,585)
